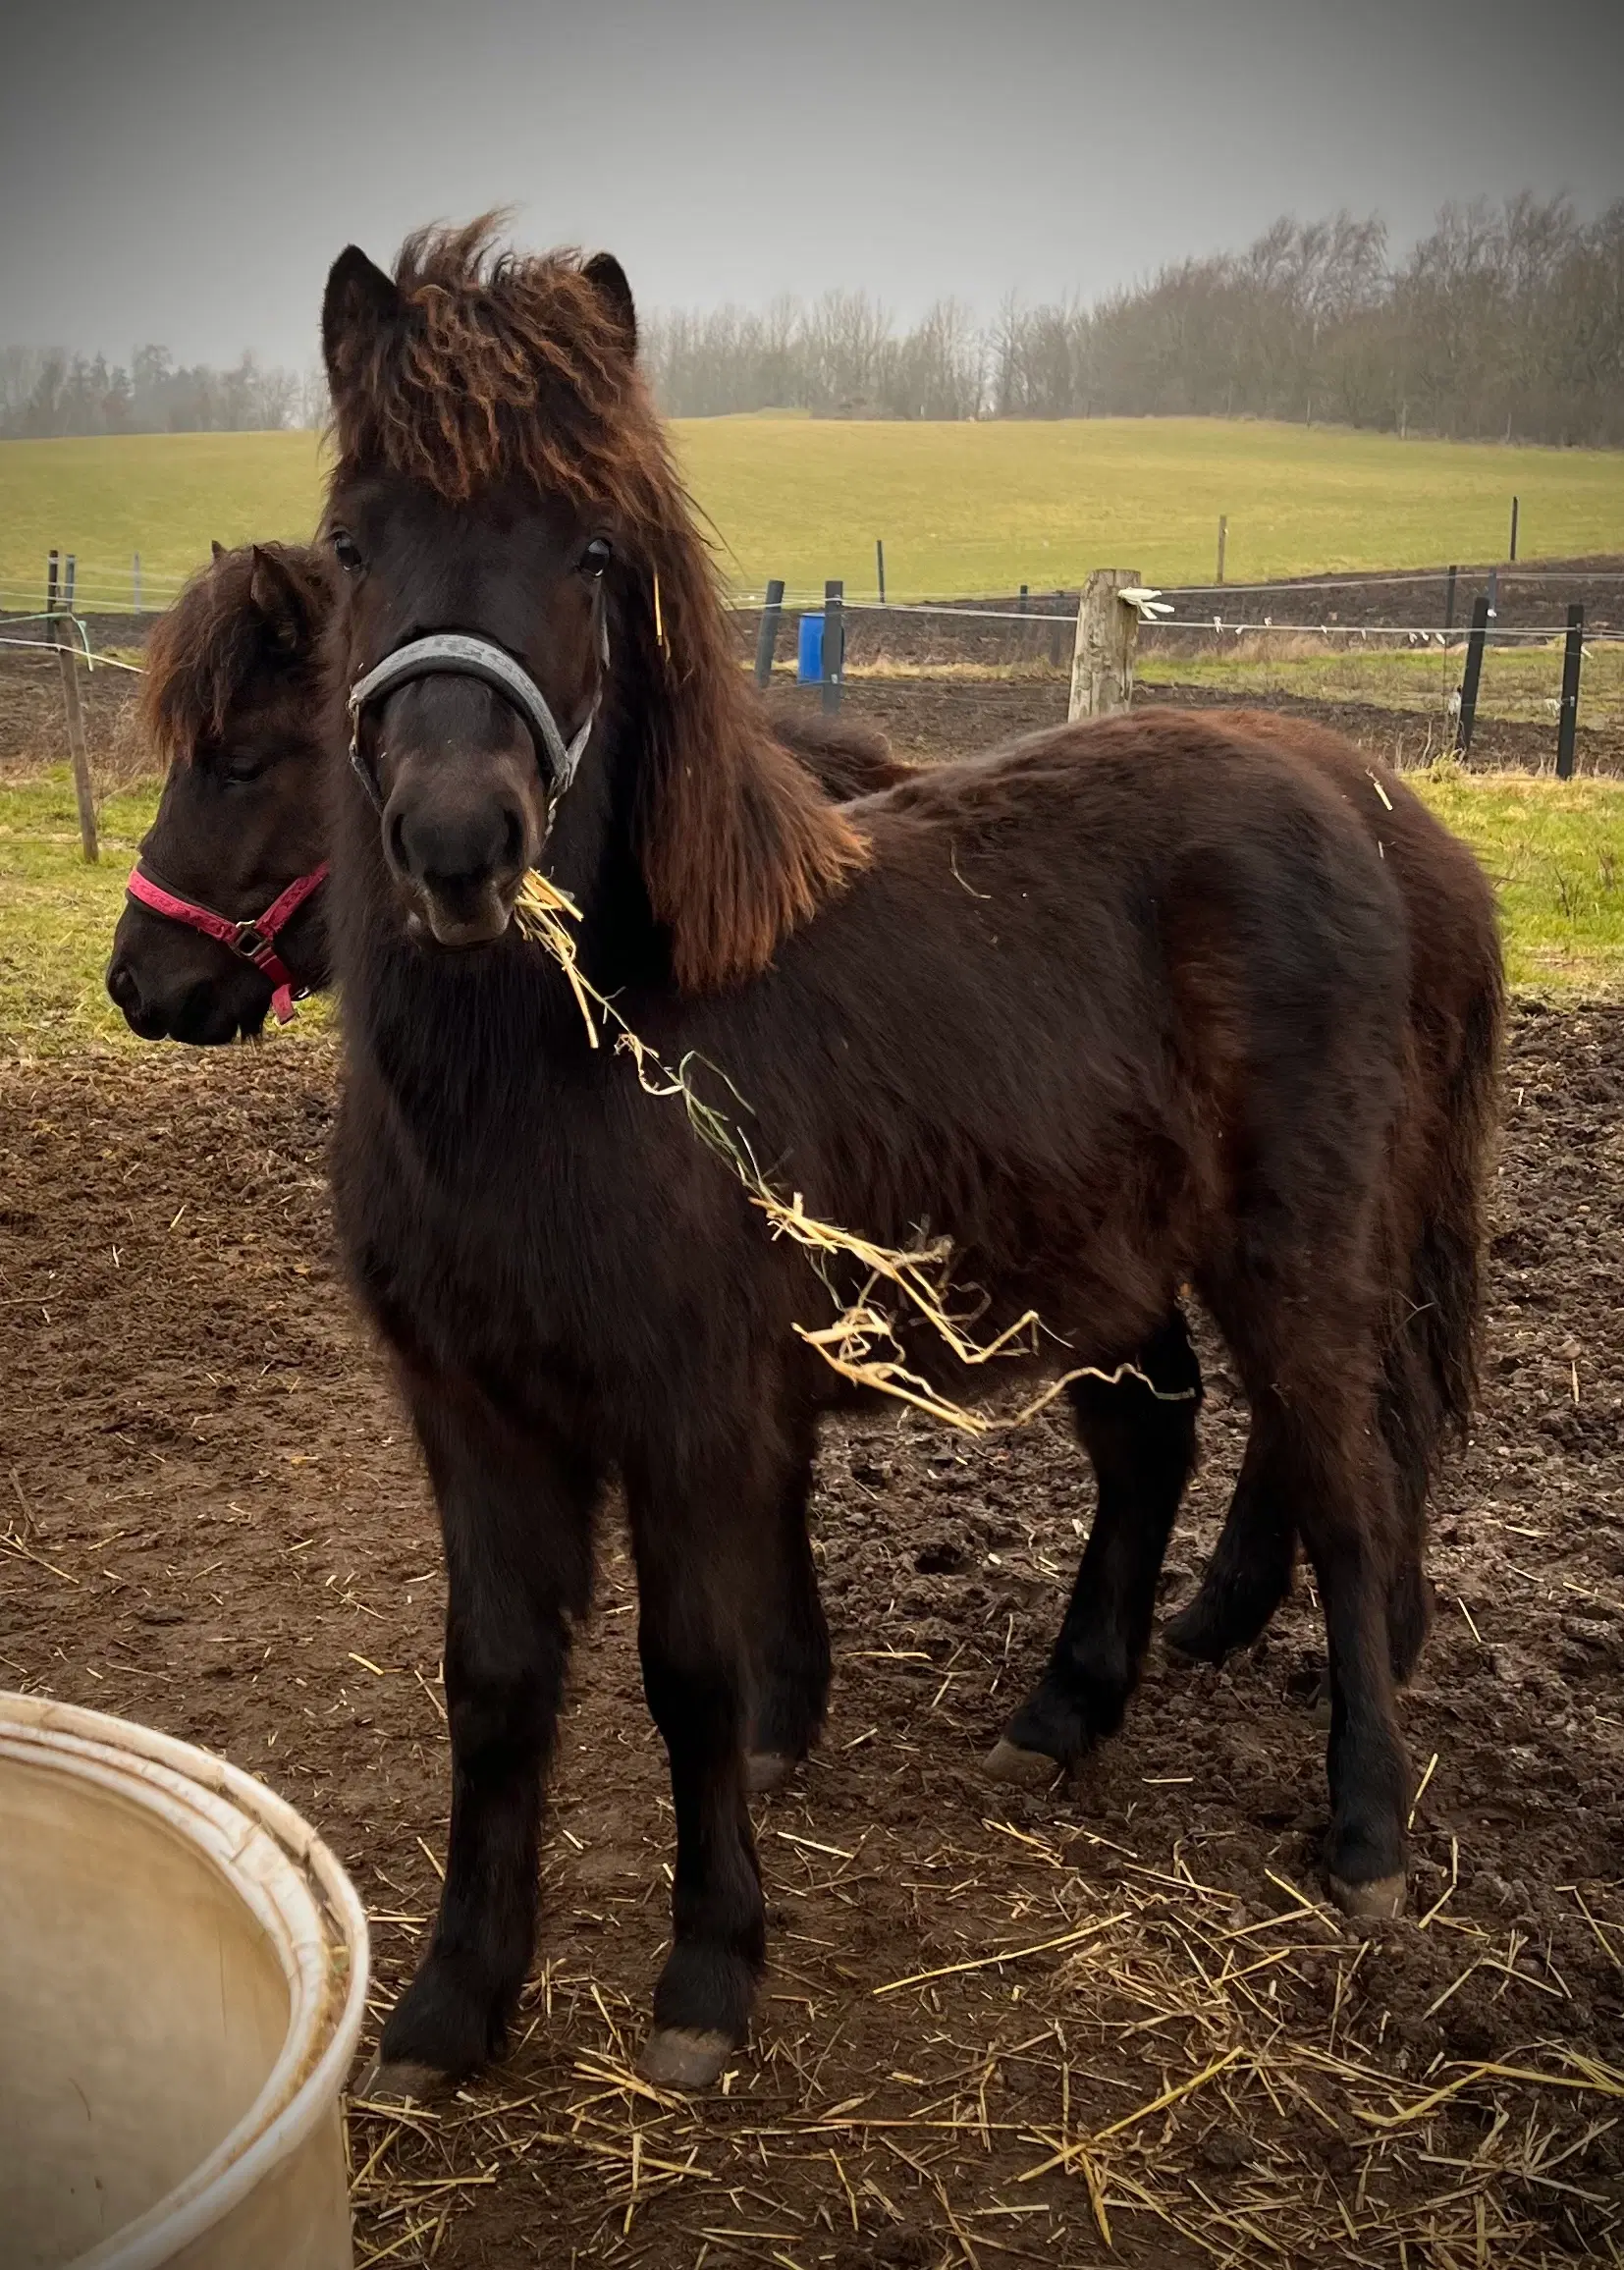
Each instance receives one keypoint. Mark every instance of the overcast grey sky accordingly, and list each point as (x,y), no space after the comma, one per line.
(185,170)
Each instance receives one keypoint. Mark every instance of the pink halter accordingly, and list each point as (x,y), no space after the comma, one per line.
(256,940)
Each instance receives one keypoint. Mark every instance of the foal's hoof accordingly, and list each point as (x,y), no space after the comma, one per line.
(1195,1635)
(684,2058)
(1021,1768)
(1379,1901)
(401,2082)
(768,1769)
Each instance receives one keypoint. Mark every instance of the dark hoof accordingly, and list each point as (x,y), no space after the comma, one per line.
(1197,1636)
(766,1770)
(401,2082)
(1021,1768)
(685,2058)
(1379,1901)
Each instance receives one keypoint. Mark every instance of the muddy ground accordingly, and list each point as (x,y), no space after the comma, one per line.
(217,1525)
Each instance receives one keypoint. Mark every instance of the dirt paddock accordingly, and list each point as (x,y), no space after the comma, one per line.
(1138,2016)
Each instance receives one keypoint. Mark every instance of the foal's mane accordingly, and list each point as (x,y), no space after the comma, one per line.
(201,653)
(495,367)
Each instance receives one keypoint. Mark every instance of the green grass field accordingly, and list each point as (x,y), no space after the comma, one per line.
(963,510)
(1555,851)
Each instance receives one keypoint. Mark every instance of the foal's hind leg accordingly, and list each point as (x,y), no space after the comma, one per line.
(515,1512)
(1307,1366)
(1140,1440)
(1250,1572)
(790,1691)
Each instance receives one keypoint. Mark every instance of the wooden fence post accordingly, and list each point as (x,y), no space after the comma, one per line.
(61,629)
(834,642)
(1101,661)
(767,635)
(880,566)
(1223,539)
(1474,671)
(1573,655)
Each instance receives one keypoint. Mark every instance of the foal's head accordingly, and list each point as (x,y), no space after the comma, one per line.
(231,703)
(501,478)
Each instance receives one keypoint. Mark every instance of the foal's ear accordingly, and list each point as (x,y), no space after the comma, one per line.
(359,299)
(609,280)
(217,552)
(280,603)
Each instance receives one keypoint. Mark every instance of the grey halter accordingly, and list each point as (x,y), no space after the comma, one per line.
(455,654)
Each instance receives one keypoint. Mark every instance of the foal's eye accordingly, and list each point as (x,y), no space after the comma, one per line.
(346,551)
(239,771)
(596,557)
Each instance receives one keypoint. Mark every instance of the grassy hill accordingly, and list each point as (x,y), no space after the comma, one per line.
(962,508)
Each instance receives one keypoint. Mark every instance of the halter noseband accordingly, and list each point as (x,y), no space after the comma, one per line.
(455,654)
(255,940)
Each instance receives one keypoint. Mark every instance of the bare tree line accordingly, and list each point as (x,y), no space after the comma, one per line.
(45,391)
(1507,321)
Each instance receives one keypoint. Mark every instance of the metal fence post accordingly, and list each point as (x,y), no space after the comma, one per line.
(136,584)
(767,636)
(880,566)
(1449,602)
(833,642)
(1474,671)
(1573,655)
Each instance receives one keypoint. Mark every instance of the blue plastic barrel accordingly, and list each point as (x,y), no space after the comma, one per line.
(809,660)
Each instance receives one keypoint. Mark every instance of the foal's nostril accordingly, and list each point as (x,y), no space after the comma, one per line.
(515,847)
(122,984)
(397,843)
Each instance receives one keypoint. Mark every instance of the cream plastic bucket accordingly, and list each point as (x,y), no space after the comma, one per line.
(183,1977)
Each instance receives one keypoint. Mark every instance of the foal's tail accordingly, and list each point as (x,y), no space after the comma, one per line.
(1431,1364)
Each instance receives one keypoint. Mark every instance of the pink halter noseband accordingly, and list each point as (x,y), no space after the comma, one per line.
(255,940)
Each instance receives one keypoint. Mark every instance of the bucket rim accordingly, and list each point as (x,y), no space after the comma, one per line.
(275,1865)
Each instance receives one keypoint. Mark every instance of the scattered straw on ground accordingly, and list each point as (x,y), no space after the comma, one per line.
(1263,2118)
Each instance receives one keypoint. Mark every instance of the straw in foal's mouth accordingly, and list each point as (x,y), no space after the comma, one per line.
(862,1343)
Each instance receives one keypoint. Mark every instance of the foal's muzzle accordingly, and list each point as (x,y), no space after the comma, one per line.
(460,836)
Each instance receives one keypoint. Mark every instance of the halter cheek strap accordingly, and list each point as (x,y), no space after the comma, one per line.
(455,654)
(255,940)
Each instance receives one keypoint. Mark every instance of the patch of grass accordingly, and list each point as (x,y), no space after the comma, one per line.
(58,914)
(1554,850)
(962,508)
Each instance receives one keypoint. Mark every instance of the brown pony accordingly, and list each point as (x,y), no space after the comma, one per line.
(231,700)
(1106,1026)
(232,705)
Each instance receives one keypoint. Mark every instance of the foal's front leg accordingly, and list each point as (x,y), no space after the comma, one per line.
(706,1535)
(516,1504)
